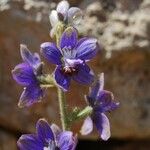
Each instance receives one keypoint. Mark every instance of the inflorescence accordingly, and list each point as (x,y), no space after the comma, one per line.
(70,54)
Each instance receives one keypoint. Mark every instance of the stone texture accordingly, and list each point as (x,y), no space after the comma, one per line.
(120,29)
(124,36)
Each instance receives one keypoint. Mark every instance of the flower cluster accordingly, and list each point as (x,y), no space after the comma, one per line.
(70,16)
(101,101)
(47,138)
(70,55)
(26,75)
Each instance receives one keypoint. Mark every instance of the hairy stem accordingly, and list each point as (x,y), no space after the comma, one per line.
(87,111)
(59,30)
(61,94)
(63,109)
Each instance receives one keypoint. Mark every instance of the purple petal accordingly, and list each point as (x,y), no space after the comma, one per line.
(56,130)
(87,126)
(69,38)
(44,132)
(66,141)
(23,74)
(29,142)
(74,15)
(32,59)
(105,101)
(61,79)
(51,53)
(114,105)
(62,8)
(81,41)
(84,74)
(90,101)
(87,48)
(102,124)
(94,91)
(105,133)
(30,95)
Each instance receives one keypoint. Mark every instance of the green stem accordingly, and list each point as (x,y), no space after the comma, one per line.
(59,30)
(63,109)
(61,94)
(87,111)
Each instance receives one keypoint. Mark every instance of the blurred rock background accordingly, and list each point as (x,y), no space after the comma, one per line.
(123,31)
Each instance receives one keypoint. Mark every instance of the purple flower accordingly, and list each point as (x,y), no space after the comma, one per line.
(101,101)
(70,58)
(47,138)
(71,16)
(26,75)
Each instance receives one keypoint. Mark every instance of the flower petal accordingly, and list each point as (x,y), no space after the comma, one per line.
(87,126)
(69,38)
(30,95)
(94,91)
(114,105)
(74,15)
(56,130)
(102,124)
(32,59)
(51,52)
(62,8)
(105,101)
(87,48)
(61,79)
(44,132)
(84,74)
(91,101)
(66,141)
(29,142)
(53,17)
(23,74)
(73,62)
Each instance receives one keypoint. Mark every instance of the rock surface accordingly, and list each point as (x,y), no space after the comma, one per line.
(120,29)
(123,31)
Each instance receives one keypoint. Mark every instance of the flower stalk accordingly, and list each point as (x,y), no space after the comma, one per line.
(61,94)
(59,31)
(78,114)
(70,54)
(46,81)
(63,109)
(87,111)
